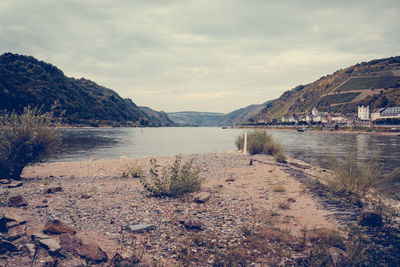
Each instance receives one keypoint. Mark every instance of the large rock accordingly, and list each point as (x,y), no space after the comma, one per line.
(16,232)
(6,246)
(201,197)
(17,201)
(58,227)
(51,244)
(92,252)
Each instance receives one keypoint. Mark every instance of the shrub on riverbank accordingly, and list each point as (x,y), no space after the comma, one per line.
(261,142)
(356,179)
(175,181)
(26,138)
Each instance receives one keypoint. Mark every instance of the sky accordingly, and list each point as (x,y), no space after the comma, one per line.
(200,55)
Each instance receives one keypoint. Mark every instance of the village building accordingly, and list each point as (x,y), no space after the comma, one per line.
(363,113)
(393,112)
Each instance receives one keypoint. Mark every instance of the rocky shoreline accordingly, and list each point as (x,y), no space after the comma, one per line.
(114,219)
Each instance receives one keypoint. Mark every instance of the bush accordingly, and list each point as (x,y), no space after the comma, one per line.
(260,142)
(174,181)
(25,139)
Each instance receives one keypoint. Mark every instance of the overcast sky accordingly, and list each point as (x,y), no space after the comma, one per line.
(200,55)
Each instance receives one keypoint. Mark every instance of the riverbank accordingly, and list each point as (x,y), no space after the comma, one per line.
(104,208)
(349,130)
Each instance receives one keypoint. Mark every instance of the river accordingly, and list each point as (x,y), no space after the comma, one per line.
(81,144)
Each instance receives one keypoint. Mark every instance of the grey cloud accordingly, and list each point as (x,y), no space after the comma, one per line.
(254,49)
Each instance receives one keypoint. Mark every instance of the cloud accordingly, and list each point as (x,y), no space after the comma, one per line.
(200,49)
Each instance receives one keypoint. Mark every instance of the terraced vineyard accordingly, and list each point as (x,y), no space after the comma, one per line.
(360,83)
(340,98)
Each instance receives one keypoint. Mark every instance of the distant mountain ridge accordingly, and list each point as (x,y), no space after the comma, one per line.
(236,117)
(375,83)
(25,81)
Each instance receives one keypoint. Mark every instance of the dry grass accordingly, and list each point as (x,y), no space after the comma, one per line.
(175,181)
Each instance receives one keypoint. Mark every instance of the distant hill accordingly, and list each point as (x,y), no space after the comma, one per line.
(375,83)
(243,115)
(194,118)
(25,81)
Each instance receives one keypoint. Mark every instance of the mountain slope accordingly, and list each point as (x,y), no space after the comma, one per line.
(25,81)
(375,83)
(243,115)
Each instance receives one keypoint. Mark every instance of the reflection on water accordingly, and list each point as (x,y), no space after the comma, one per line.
(312,147)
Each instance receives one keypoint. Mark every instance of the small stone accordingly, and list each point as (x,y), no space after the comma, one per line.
(15,184)
(4,181)
(58,227)
(291,200)
(138,228)
(17,201)
(230,179)
(201,197)
(53,190)
(192,223)
(92,252)
(49,243)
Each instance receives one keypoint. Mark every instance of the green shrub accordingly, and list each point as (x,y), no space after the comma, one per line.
(261,142)
(175,181)
(26,138)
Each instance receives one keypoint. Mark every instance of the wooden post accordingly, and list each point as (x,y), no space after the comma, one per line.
(245,145)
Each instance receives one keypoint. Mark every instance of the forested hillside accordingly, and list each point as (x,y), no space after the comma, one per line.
(25,81)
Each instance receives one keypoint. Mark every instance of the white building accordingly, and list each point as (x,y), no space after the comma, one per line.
(363,113)
(393,112)
(376,113)
(314,111)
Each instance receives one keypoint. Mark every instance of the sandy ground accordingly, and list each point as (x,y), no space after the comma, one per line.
(240,193)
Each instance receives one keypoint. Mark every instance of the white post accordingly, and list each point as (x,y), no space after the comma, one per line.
(245,145)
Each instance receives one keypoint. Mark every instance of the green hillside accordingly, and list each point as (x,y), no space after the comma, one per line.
(27,81)
(331,90)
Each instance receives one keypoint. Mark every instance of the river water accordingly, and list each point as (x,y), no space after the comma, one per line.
(81,144)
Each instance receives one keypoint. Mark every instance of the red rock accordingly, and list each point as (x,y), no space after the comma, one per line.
(92,252)
(58,227)
(17,201)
